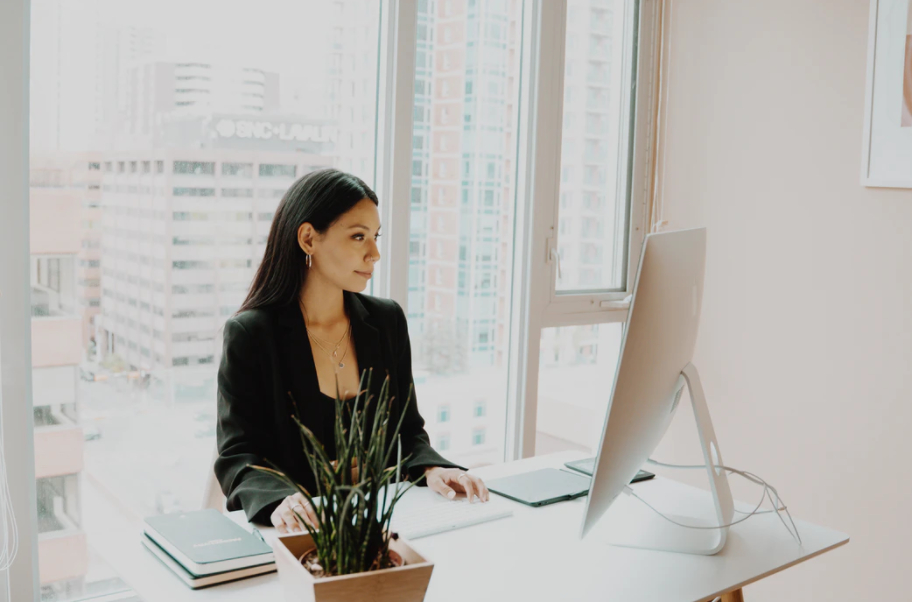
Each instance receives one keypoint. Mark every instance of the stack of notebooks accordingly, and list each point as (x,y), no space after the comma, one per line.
(206,547)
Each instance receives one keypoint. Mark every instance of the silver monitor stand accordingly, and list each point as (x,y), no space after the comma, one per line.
(653,368)
(630,523)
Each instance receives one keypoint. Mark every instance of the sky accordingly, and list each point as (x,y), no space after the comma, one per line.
(286,36)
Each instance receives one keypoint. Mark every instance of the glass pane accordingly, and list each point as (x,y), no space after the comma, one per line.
(577,365)
(592,224)
(159,152)
(462,206)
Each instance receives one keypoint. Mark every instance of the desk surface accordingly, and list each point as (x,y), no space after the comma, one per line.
(502,559)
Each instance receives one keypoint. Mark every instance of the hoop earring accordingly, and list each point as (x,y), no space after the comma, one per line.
(307,260)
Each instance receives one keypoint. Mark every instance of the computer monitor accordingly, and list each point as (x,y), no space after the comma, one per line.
(653,368)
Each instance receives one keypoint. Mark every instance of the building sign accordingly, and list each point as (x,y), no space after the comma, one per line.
(267,130)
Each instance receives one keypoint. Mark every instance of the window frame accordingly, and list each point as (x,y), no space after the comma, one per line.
(536,305)
(16,408)
(591,307)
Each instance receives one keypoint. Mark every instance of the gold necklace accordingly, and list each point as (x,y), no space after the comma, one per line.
(332,354)
(306,319)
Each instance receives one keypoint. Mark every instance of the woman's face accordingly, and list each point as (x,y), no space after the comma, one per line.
(345,254)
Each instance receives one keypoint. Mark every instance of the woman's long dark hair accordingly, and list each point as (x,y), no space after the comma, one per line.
(320,197)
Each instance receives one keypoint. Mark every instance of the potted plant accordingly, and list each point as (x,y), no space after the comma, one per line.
(351,554)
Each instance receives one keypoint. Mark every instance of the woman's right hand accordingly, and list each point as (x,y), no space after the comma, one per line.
(284,519)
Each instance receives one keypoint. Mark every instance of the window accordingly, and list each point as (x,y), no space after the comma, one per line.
(184,215)
(479,410)
(194,192)
(181,230)
(58,503)
(601,173)
(441,307)
(53,286)
(244,170)
(237,192)
(194,167)
(277,171)
(478,436)
(577,365)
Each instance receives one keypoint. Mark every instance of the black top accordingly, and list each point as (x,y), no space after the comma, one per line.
(266,356)
(327,426)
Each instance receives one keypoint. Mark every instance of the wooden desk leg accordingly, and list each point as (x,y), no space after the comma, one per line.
(733,596)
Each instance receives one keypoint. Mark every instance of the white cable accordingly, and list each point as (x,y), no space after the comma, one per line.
(750,477)
(777,507)
(9,544)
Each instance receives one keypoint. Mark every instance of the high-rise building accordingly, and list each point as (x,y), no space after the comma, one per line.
(159,92)
(589,211)
(62,202)
(351,85)
(460,247)
(184,229)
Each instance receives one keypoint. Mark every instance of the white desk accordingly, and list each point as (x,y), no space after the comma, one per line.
(502,560)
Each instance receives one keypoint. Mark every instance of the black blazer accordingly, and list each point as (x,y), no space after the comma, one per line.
(267,354)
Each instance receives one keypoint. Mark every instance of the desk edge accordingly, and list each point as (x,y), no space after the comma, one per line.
(741,585)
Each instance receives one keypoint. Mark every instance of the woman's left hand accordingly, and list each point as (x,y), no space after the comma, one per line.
(450,481)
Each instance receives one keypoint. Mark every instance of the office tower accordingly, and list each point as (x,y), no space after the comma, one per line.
(159,92)
(460,247)
(184,228)
(589,210)
(350,89)
(63,204)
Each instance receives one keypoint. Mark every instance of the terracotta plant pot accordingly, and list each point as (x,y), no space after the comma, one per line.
(406,583)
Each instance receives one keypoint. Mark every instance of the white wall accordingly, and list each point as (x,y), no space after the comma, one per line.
(805,346)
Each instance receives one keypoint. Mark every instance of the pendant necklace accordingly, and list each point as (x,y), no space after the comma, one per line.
(335,352)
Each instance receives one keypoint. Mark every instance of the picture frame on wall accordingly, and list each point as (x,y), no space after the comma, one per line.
(887,147)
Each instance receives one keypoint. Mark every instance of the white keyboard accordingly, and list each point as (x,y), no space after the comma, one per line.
(440,517)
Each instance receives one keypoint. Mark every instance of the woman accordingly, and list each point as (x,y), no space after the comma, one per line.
(304,325)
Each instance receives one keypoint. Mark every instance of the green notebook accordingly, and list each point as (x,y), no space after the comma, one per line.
(206,541)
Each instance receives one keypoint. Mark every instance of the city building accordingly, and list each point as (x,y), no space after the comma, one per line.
(159,92)
(60,200)
(462,211)
(184,229)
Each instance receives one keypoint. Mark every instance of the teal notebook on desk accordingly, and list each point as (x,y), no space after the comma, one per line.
(206,542)
(197,582)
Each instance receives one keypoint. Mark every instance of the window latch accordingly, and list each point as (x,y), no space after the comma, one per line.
(552,253)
